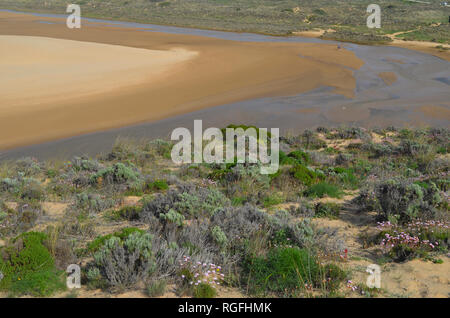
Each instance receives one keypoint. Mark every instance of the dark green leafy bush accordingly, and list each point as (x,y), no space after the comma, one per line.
(300,157)
(203,290)
(123,234)
(304,174)
(323,189)
(29,268)
(157,185)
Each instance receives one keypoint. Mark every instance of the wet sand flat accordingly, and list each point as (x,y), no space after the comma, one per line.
(142,76)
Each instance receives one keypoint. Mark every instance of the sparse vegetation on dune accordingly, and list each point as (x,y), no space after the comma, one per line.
(410,20)
(137,221)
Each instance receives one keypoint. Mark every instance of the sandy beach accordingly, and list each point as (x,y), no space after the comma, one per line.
(420,46)
(54,87)
(54,70)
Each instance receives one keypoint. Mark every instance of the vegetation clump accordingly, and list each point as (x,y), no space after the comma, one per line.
(290,271)
(136,220)
(28,268)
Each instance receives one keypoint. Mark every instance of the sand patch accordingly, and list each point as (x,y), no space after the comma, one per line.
(388,77)
(131,201)
(425,47)
(415,278)
(438,112)
(54,210)
(313,33)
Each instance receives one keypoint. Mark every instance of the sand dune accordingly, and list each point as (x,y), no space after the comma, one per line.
(39,70)
(112,77)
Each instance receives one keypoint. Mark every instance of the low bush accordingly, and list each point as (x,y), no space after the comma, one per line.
(407,200)
(304,174)
(119,173)
(131,213)
(273,199)
(123,262)
(300,157)
(157,185)
(92,203)
(189,201)
(199,279)
(322,189)
(330,210)
(157,288)
(289,271)
(414,239)
(203,290)
(29,268)
(98,242)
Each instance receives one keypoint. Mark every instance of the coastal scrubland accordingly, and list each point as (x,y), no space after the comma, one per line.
(141,226)
(347,18)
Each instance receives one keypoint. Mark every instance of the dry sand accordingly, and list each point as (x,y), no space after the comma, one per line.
(38,70)
(421,46)
(425,47)
(142,76)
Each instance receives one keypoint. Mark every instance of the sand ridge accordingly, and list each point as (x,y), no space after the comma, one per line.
(223,72)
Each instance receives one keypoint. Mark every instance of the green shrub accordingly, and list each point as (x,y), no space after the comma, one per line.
(162,148)
(172,217)
(402,252)
(272,200)
(124,262)
(346,177)
(300,157)
(207,202)
(407,200)
(32,190)
(204,290)
(92,202)
(244,127)
(117,174)
(237,201)
(157,185)
(130,213)
(322,189)
(286,270)
(157,288)
(330,210)
(123,234)
(219,236)
(29,268)
(285,160)
(303,174)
